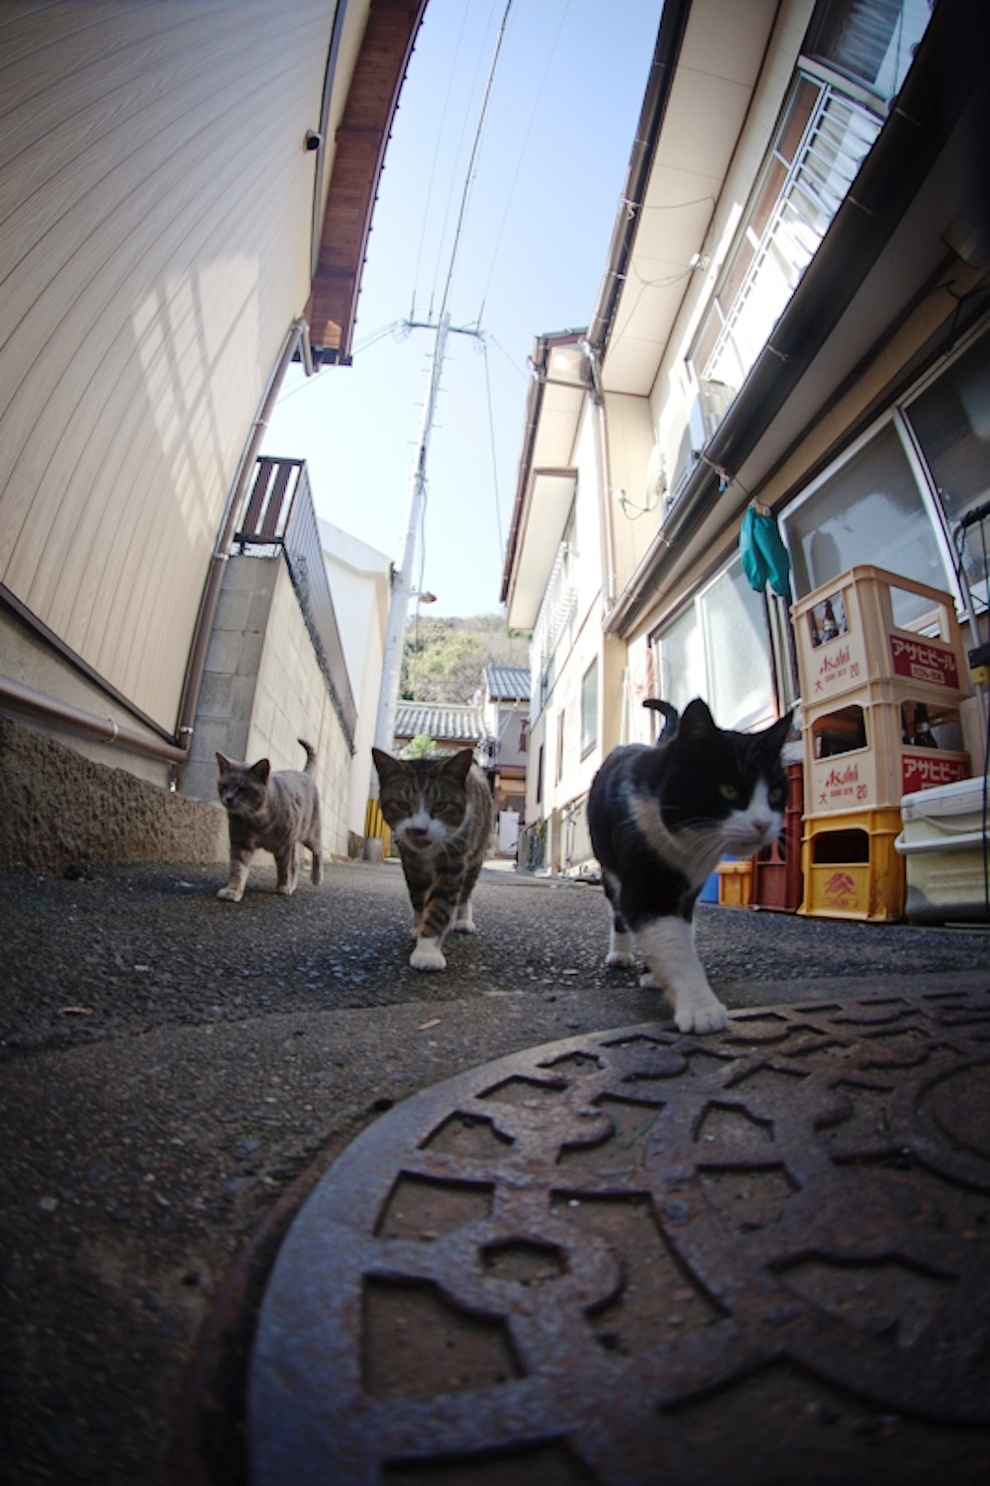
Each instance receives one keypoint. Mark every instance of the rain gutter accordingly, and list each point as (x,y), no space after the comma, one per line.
(945,72)
(670,36)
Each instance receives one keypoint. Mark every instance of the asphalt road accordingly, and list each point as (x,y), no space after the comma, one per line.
(175,1070)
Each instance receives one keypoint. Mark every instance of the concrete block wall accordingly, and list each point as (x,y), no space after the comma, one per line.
(263,690)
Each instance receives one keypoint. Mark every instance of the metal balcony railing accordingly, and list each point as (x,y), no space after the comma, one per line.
(279,512)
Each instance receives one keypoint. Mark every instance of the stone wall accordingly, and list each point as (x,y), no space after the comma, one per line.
(59,809)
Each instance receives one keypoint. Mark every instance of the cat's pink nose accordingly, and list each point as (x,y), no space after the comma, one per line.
(418,835)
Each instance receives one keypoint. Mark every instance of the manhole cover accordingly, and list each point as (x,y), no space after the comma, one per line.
(636,1257)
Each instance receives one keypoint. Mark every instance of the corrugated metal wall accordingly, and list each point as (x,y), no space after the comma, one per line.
(155,223)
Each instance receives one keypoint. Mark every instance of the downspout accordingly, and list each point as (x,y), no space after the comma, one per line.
(31,703)
(603,471)
(534,406)
(298,334)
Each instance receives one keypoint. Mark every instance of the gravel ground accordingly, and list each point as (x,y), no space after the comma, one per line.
(174,1069)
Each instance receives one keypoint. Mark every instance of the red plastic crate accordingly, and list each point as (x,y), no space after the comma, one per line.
(777,879)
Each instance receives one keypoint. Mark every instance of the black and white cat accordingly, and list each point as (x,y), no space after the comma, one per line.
(661,817)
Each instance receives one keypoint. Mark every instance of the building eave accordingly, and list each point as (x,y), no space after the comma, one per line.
(544,452)
(359,155)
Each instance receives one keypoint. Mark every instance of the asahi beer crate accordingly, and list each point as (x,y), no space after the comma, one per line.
(869,624)
(861,753)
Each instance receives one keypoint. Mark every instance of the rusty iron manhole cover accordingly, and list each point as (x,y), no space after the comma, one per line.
(638,1257)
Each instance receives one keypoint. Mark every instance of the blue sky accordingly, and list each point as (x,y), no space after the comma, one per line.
(546,187)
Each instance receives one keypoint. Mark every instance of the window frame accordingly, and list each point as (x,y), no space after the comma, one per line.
(589,725)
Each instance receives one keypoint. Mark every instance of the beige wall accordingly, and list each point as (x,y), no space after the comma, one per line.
(264,690)
(155,230)
(630,440)
(291,702)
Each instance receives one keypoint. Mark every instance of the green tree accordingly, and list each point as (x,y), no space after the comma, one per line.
(422,746)
(443,659)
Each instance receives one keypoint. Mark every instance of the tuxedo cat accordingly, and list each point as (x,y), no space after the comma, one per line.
(661,817)
(275,811)
(440,811)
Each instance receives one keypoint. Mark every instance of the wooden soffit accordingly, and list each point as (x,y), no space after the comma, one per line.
(361,139)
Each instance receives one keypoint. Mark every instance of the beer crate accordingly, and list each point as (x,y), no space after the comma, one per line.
(867,625)
(870,746)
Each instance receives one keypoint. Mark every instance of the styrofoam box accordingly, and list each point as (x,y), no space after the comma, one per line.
(943,842)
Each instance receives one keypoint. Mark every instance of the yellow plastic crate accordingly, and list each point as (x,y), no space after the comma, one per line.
(850,866)
(735,884)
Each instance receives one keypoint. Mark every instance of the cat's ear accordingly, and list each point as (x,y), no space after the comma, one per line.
(696,722)
(775,736)
(384,762)
(261,770)
(459,765)
(223,763)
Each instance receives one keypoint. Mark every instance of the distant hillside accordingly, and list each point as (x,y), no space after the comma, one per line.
(444,658)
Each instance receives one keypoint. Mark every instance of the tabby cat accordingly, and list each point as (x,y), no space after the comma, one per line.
(440,812)
(277,811)
(661,817)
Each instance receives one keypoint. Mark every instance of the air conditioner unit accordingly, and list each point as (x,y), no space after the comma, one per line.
(706,409)
(656,478)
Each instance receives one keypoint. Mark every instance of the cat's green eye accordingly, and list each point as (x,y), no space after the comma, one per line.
(728,792)
(776,796)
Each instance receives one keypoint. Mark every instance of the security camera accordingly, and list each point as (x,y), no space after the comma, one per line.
(313,140)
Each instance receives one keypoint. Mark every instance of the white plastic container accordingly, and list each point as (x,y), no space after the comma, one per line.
(946,853)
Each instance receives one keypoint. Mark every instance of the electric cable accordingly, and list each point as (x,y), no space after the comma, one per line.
(519,162)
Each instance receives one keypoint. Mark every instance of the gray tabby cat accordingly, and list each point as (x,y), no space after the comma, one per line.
(440,811)
(275,811)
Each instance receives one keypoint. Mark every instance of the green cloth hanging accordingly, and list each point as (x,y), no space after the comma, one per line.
(764,556)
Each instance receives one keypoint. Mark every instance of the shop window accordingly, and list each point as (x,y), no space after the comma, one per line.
(869,511)
(718,647)
(951,423)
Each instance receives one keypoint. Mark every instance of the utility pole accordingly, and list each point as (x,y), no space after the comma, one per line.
(402,576)
(388,697)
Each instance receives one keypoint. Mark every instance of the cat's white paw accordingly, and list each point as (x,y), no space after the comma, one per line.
(619,957)
(649,981)
(700,1014)
(427,956)
(231,894)
(464,926)
(286,889)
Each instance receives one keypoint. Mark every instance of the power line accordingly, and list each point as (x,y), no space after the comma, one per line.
(522,156)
